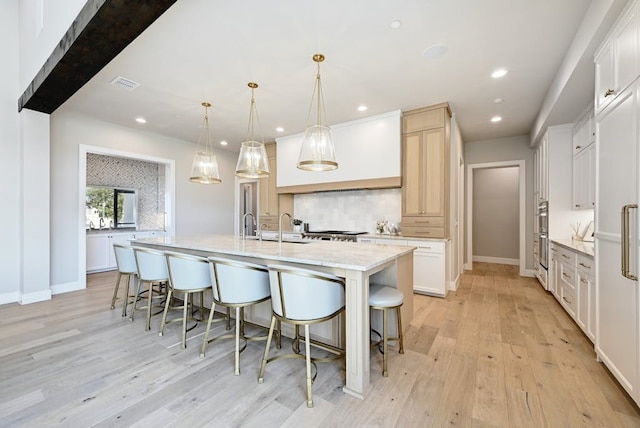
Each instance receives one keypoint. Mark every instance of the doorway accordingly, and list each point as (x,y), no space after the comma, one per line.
(247,204)
(495,212)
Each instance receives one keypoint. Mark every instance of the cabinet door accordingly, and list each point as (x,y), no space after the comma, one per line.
(585,316)
(429,273)
(434,169)
(268,193)
(97,252)
(625,56)
(412,175)
(590,199)
(605,85)
(617,333)
(577,194)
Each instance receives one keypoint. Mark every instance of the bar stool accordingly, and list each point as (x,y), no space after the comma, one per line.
(235,285)
(386,298)
(187,275)
(152,270)
(302,297)
(126,264)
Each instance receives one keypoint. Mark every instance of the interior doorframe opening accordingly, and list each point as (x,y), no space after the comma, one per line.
(468,265)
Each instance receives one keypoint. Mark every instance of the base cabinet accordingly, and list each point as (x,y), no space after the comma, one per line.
(100,255)
(573,286)
(429,263)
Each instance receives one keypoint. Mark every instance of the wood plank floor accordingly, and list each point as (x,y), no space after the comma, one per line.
(499,352)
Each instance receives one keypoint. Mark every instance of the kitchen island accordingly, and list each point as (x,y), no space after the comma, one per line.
(391,265)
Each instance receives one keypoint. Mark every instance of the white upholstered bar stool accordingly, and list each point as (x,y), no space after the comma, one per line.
(126,264)
(236,285)
(152,271)
(302,297)
(385,299)
(188,275)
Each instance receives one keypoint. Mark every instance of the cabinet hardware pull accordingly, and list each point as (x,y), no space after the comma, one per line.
(565,275)
(585,266)
(624,222)
(609,92)
(578,147)
(565,256)
(583,280)
(566,300)
(577,205)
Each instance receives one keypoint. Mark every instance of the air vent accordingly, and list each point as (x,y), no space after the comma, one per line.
(125,83)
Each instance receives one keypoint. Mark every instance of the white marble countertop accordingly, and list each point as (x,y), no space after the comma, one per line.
(417,238)
(586,248)
(343,255)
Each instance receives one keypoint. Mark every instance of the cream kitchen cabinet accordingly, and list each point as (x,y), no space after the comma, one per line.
(617,60)
(584,182)
(270,203)
(100,255)
(430,264)
(586,284)
(425,171)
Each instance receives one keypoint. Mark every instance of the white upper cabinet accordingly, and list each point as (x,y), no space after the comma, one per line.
(368,153)
(617,59)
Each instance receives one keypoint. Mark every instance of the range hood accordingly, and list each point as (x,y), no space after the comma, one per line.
(368,151)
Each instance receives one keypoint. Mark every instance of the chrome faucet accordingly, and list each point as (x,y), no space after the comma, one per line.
(280,225)
(260,231)
(101,223)
(244,221)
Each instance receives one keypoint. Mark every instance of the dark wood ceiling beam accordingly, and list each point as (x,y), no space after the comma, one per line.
(102,29)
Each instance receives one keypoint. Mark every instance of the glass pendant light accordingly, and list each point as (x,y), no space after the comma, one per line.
(205,165)
(317,152)
(252,161)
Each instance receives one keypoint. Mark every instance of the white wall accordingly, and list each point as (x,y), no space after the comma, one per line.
(10,272)
(200,209)
(508,149)
(496,213)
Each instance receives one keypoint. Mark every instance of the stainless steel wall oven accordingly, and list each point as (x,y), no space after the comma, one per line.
(543,233)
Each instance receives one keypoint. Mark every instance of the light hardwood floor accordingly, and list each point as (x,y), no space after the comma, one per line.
(499,352)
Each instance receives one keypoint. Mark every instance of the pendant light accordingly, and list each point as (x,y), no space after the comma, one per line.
(205,165)
(252,161)
(317,152)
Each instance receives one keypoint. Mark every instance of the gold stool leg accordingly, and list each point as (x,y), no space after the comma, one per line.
(126,296)
(164,313)
(185,312)
(266,350)
(115,292)
(385,339)
(205,341)
(135,301)
(307,343)
(238,331)
(399,315)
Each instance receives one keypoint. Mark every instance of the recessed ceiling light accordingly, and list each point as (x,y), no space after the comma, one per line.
(395,25)
(362,108)
(223,143)
(496,119)
(141,120)
(279,129)
(435,51)
(497,100)
(500,72)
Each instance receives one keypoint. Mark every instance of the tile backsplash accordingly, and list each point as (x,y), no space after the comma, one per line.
(146,177)
(354,210)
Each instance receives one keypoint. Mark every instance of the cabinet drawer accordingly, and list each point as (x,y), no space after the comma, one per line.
(586,265)
(421,120)
(426,232)
(428,246)
(568,300)
(568,276)
(422,221)
(566,256)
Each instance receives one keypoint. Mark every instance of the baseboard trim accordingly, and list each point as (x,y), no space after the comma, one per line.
(497,260)
(67,287)
(529,273)
(9,298)
(38,296)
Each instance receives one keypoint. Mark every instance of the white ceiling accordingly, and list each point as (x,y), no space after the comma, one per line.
(208,50)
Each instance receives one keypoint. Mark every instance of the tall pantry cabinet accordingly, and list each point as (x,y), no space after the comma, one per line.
(617,253)
(425,171)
